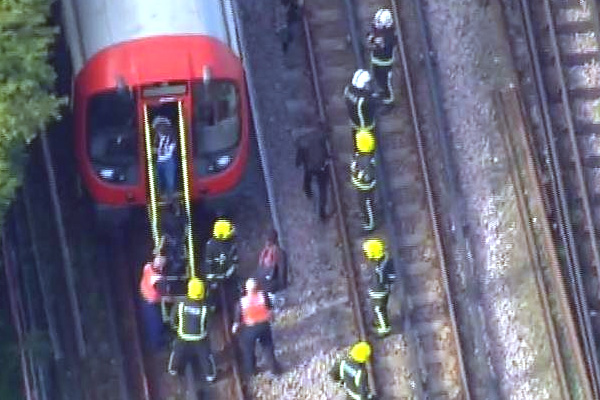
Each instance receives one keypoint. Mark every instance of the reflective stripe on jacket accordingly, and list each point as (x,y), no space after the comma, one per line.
(148,283)
(351,376)
(362,172)
(254,309)
(382,62)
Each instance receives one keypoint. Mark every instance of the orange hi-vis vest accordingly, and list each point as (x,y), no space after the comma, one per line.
(148,284)
(254,309)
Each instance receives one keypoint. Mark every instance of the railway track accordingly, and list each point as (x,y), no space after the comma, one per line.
(559,72)
(410,225)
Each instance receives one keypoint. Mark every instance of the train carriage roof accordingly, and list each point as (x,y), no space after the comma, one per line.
(94,25)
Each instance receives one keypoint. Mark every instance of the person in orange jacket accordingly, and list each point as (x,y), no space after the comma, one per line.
(253,318)
(151,291)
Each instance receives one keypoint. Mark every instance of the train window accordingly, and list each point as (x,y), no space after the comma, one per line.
(216,125)
(112,137)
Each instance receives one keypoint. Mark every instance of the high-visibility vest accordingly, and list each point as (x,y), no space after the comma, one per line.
(148,284)
(192,318)
(254,309)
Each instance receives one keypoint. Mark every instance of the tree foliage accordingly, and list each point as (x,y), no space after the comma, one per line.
(27,102)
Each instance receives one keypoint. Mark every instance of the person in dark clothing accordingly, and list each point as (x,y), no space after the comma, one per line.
(313,156)
(221,263)
(351,372)
(382,279)
(189,318)
(253,319)
(292,15)
(363,177)
(381,41)
(361,102)
(174,228)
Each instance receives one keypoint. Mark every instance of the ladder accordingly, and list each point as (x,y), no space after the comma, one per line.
(156,206)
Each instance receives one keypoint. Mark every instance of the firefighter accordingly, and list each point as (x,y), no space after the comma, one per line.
(351,372)
(253,319)
(362,175)
(381,41)
(221,262)
(152,287)
(362,103)
(312,155)
(189,318)
(382,278)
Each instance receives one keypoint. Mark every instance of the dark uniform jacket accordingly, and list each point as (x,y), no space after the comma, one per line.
(383,276)
(361,106)
(353,376)
(220,260)
(311,152)
(190,319)
(381,43)
(362,172)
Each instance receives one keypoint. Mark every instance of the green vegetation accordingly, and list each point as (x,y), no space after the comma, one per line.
(27,103)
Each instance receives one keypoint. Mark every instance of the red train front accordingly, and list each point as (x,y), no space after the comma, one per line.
(138,60)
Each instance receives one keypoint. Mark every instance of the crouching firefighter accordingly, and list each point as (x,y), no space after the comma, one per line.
(351,372)
(381,281)
(189,318)
(362,175)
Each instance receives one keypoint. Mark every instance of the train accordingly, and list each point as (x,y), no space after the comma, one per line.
(134,60)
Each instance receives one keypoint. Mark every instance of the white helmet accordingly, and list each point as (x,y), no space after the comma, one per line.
(361,79)
(383,19)
(251,285)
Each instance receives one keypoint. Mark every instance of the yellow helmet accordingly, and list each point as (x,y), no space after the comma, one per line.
(195,289)
(374,248)
(360,352)
(365,141)
(223,229)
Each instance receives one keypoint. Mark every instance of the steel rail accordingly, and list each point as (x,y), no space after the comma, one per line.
(348,259)
(559,189)
(425,168)
(64,246)
(16,311)
(510,104)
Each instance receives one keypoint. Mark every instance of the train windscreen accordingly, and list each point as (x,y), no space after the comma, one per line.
(112,136)
(216,125)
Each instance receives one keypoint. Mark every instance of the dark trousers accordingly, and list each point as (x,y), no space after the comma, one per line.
(381,321)
(247,340)
(231,294)
(366,202)
(185,352)
(383,77)
(322,177)
(153,325)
